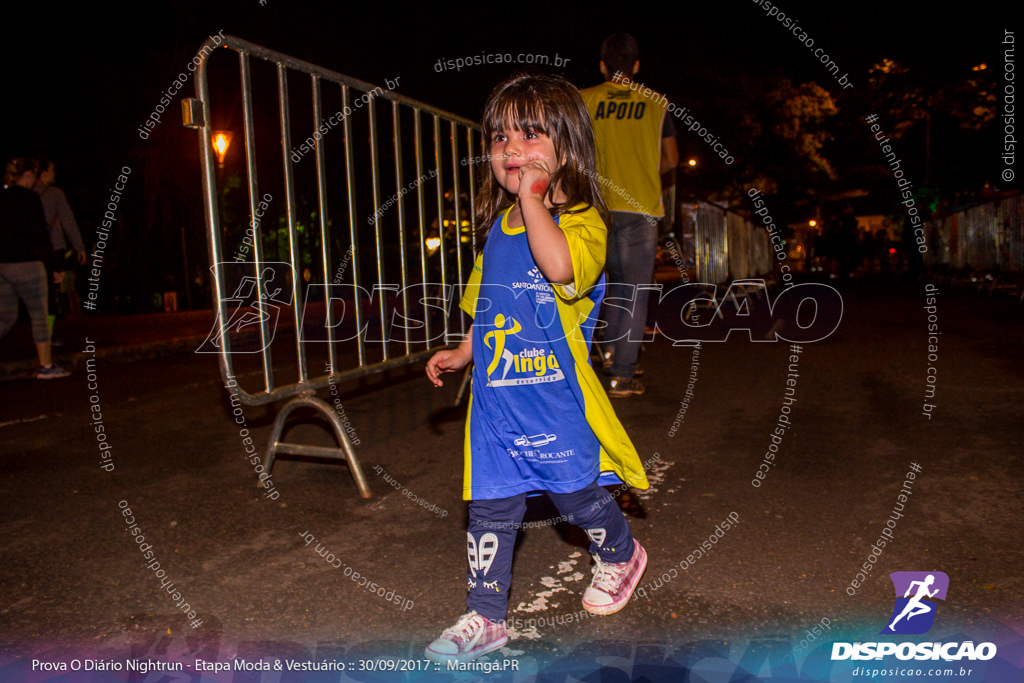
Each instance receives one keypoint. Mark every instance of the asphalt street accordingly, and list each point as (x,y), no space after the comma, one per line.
(74,579)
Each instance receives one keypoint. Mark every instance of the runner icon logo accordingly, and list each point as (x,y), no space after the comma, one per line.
(915,608)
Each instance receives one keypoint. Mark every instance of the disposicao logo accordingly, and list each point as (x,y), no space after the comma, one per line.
(914,614)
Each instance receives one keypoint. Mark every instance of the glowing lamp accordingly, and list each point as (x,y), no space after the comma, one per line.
(221,142)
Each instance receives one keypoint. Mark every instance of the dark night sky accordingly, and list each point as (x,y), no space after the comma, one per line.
(78,82)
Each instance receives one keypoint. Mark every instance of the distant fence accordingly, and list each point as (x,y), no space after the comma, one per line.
(729,246)
(989,236)
(339,263)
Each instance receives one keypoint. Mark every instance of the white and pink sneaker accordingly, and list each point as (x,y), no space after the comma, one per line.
(472,636)
(614,583)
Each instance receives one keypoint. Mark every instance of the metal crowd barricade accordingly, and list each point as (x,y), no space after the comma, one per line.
(729,245)
(420,237)
(985,237)
(759,249)
(711,238)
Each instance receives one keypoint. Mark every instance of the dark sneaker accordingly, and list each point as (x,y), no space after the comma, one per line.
(472,636)
(622,387)
(54,371)
(614,583)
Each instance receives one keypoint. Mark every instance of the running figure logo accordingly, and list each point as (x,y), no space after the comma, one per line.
(915,614)
(255,301)
(498,337)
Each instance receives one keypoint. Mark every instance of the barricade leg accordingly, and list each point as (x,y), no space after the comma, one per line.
(344,452)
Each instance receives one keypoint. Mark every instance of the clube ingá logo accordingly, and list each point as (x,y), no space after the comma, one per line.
(916,595)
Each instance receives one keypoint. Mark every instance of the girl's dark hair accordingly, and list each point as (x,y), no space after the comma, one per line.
(551,105)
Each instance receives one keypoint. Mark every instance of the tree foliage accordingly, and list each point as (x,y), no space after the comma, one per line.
(777,131)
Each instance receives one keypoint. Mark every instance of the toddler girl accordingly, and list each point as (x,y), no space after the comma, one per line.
(539,419)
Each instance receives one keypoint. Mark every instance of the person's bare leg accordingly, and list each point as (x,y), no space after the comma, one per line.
(43,350)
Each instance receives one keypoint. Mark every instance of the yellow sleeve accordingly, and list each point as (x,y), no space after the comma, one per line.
(588,245)
(469,296)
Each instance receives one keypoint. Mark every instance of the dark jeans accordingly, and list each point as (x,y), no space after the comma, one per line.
(632,241)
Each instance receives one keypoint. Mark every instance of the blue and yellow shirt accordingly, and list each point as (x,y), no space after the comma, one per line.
(539,418)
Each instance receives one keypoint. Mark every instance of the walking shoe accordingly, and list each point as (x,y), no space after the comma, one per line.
(622,387)
(472,636)
(614,583)
(53,371)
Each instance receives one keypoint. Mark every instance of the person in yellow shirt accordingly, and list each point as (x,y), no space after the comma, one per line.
(636,144)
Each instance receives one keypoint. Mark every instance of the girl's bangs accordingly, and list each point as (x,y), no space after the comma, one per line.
(521,111)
